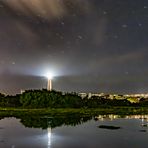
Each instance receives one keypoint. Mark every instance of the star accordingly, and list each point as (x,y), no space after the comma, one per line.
(124,26)
(13,63)
(80,37)
(145,7)
(62,23)
(104,12)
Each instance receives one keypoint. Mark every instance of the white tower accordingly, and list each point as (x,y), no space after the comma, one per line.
(49,83)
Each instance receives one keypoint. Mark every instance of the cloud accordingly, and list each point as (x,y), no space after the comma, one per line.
(42,8)
(47,9)
(110,63)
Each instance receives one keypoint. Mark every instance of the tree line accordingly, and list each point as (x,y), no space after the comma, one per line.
(56,99)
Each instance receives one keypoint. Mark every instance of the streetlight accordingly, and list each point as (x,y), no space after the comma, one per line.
(49,84)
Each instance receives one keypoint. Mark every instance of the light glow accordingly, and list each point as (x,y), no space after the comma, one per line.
(49,76)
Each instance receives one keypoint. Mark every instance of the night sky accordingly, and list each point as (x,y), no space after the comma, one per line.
(88,45)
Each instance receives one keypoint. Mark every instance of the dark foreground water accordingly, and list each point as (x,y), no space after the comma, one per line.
(100,132)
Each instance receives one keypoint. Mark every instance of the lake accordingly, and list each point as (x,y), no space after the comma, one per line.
(102,131)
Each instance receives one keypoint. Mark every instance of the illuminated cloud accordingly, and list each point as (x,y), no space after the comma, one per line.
(47,9)
(40,8)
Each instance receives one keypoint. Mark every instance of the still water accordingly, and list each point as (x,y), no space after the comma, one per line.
(108,131)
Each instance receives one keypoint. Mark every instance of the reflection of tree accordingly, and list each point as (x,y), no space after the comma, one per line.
(72,121)
(35,121)
(45,122)
(53,122)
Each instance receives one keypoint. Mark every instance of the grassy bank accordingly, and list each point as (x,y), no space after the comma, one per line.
(84,112)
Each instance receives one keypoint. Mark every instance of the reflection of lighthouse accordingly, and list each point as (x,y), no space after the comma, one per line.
(49,136)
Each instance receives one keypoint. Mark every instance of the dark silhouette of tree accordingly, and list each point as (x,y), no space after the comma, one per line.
(55,99)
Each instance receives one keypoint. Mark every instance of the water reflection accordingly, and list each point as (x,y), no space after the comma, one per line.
(14,134)
(143,118)
(35,129)
(53,122)
(112,117)
(49,136)
(74,131)
(58,121)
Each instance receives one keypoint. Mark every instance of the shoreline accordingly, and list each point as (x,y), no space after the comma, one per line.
(74,111)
